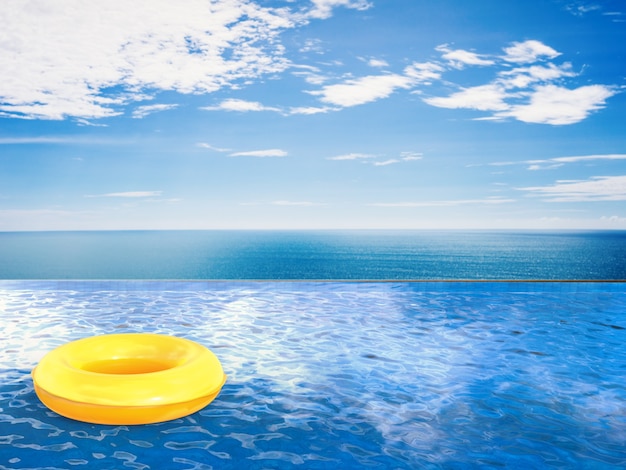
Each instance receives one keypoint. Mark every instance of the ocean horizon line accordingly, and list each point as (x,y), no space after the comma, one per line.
(378,229)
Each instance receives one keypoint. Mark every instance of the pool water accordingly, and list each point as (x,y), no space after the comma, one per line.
(402,375)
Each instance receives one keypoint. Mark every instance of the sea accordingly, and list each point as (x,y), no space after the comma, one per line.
(314,255)
(343,349)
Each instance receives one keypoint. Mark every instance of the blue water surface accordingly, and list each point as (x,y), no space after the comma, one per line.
(314,255)
(377,375)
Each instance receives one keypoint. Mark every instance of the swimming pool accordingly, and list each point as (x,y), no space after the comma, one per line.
(339,375)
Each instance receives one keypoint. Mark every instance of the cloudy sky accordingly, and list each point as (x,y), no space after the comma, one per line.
(202,114)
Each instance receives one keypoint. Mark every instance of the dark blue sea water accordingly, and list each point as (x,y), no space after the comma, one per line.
(281,255)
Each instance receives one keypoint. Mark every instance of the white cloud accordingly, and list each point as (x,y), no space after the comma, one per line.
(411,156)
(239,105)
(391,161)
(614,220)
(86,122)
(323,8)
(310,110)
(580,9)
(314,79)
(377,63)
(584,158)
(261,153)
(312,45)
(143,111)
(531,93)
(283,203)
(130,194)
(599,188)
(38,140)
(528,51)
(536,166)
(423,72)
(362,90)
(352,156)
(90,60)
(370,88)
(87,59)
(404,157)
(550,163)
(522,77)
(459,58)
(616,16)
(74,140)
(204,145)
(252,153)
(457,202)
(551,104)
(560,161)
(483,98)
(297,203)
(310,74)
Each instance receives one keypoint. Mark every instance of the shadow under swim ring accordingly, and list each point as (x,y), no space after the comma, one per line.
(131,378)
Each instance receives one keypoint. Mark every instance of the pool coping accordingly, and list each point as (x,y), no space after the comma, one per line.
(191,285)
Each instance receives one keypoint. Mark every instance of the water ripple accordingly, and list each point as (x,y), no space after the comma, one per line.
(336,375)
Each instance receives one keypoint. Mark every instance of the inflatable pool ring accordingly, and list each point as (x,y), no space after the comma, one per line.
(131,378)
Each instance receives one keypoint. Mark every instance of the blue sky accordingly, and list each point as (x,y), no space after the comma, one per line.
(322,114)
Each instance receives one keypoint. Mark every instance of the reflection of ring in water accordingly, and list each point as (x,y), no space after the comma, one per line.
(133,378)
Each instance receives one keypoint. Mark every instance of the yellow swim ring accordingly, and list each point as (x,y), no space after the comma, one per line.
(131,378)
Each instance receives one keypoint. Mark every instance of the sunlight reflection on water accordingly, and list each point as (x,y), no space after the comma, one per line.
(339,375)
